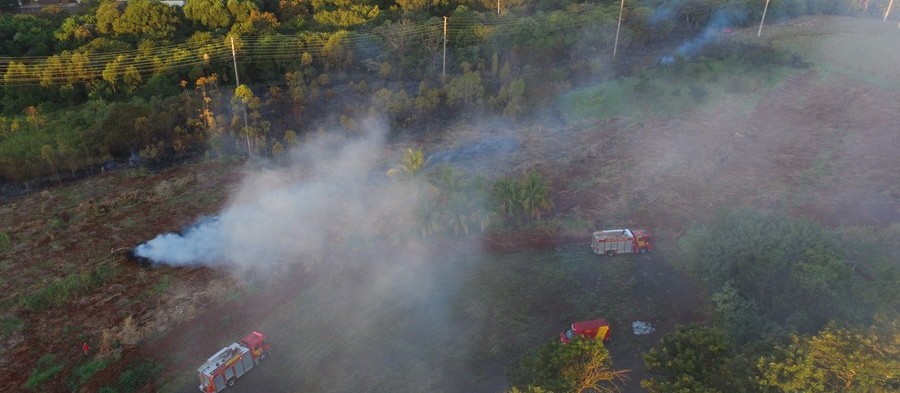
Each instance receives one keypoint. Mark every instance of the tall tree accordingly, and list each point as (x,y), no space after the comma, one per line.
(245,102)
(535,195)
(837,360)
(696,359)
(411,165)
(148,18)
(579,366)
(212,14)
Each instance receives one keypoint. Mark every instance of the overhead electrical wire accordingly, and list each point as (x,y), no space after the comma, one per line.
(253,49)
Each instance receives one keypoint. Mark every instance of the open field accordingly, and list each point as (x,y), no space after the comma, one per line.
(810,143)
(851,46)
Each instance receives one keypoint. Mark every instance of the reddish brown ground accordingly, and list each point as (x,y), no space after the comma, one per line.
(819,147)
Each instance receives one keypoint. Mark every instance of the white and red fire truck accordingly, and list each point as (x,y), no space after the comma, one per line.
(226,366)
(621,241)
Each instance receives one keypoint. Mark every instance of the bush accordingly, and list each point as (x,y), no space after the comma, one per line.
(790,268)
(44,370)
(139,375)
(84,372)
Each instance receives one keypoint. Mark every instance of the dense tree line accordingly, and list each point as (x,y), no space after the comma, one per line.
(794,308)
(306,65)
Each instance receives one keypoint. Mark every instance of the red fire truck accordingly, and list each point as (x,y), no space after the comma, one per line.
(621,241)
(593,329)
(226,366)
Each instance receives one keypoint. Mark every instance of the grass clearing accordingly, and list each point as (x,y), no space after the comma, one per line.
(84,372)
(64,289)
(858,47)
(44,370)
(682,85)
(135,377)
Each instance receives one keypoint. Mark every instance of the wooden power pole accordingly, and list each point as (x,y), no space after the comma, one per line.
(237,81)
(444,69)
(618,27)
(763,20)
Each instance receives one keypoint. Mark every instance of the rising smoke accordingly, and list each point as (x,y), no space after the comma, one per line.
(334,190)
(721,20)
(375,307)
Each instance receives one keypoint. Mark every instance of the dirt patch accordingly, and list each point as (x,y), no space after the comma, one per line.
(75,228)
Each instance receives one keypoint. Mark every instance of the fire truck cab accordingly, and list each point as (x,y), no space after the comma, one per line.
(258,344)
(230,363)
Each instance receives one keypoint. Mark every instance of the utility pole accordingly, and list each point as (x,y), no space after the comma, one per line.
(761,21)
(618,27)
(498,7)
(237,81)
(887,12)
(444,70)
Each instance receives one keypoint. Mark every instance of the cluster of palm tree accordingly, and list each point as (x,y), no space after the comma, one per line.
(451,203)
(522,201)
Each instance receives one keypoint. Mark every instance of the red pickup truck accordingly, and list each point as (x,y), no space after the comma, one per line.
(593,329)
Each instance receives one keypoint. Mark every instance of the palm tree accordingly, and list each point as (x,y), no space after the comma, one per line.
(506,196)
(411,165)
(535,197)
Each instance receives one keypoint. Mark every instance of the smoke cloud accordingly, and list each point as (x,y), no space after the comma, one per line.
(334,190)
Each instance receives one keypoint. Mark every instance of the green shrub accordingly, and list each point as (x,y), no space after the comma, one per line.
(138,375)
(44,370)
(791,269)
(8,325)
(55,224)
(62,290)
(5,242)
(84,372)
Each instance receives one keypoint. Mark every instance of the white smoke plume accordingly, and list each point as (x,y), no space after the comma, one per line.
(334,190)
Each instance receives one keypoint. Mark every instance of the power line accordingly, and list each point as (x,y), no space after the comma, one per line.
(76,67)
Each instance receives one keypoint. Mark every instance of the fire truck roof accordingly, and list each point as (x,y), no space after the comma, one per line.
(613,234)
(221,357)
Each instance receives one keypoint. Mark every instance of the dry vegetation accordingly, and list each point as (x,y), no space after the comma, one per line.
(819,144)
(65,276)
